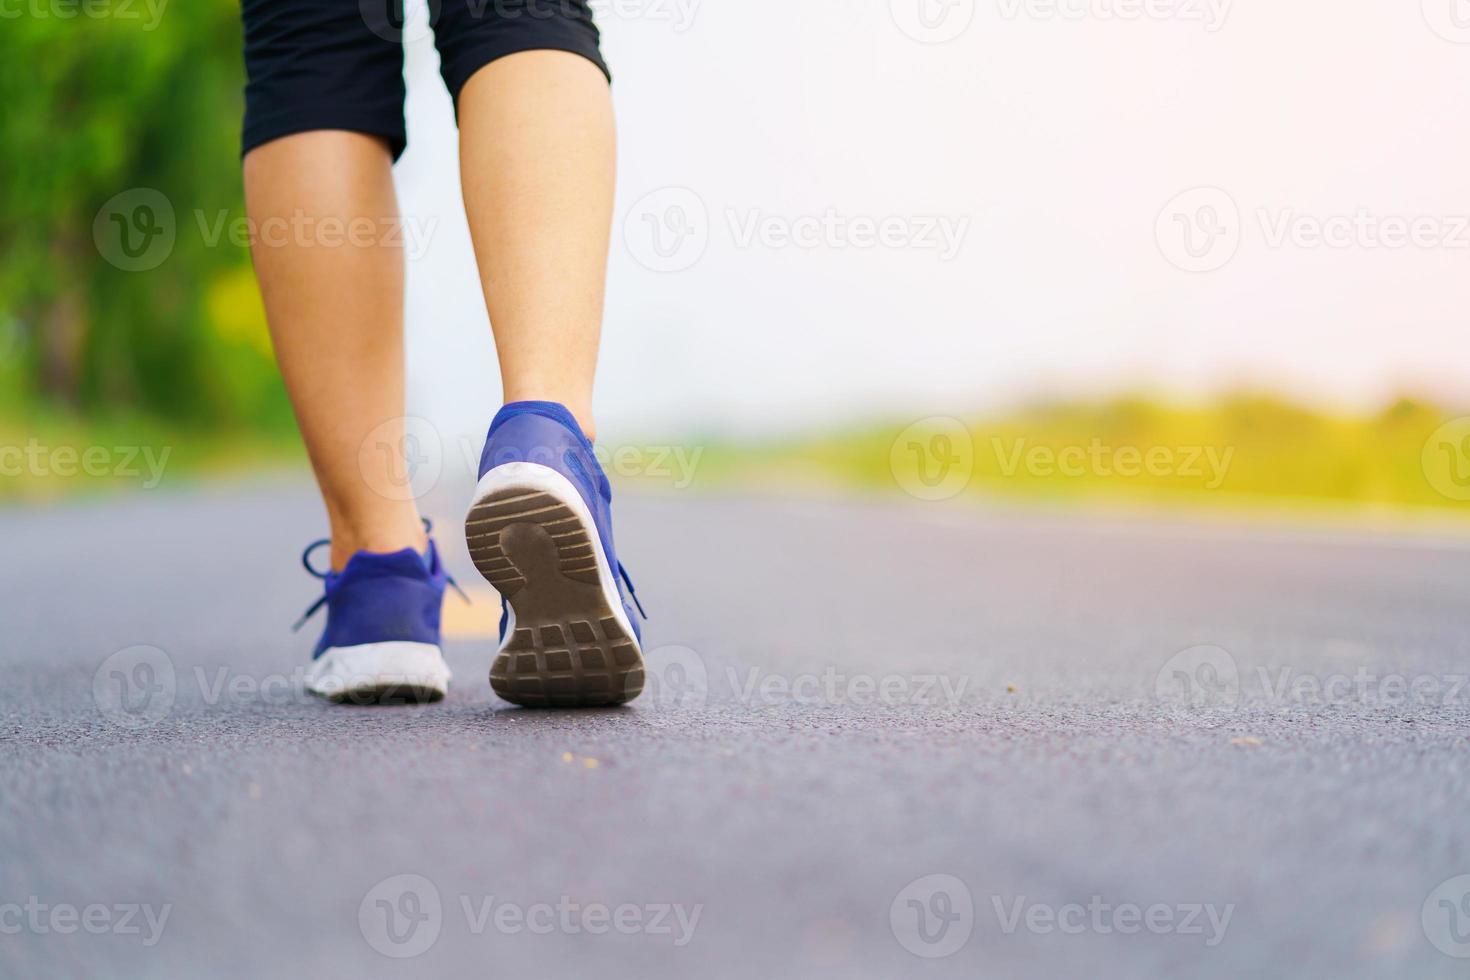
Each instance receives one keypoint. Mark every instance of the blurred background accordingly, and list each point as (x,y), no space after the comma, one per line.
(1080,252)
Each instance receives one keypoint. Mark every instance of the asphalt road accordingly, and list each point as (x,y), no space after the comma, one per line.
(1042,745)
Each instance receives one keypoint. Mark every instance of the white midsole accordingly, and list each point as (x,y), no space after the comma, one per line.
(534,476)
(343,670)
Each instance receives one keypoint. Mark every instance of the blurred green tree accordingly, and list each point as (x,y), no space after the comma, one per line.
(102,100)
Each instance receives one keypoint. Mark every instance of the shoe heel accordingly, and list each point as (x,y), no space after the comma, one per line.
(568,644)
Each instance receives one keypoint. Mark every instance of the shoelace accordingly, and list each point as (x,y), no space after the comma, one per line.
(311,570)
(632,593)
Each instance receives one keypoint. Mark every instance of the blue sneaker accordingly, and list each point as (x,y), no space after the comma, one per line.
(381,642)
(540,529)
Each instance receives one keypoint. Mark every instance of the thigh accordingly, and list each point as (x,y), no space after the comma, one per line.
(323,64)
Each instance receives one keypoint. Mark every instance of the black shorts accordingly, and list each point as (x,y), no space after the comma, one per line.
(338,64)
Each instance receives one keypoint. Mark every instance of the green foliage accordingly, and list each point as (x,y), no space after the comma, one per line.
(102,98)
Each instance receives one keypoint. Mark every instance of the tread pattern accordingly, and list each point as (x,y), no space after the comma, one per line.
(568,649)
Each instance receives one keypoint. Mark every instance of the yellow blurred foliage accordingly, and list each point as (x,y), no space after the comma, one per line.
(1244,449)
(235,311)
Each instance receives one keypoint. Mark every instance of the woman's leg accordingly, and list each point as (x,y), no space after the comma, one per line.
(537,158)
(335,306)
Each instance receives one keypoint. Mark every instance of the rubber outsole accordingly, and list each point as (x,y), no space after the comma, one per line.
(385,695)
(387,673)
(568,648)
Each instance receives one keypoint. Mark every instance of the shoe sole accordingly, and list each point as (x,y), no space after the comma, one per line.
(568,643)
(390,673)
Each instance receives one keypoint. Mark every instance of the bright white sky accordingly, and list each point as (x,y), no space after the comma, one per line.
(1053,144)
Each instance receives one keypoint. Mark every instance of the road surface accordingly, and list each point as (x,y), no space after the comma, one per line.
(881,740)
